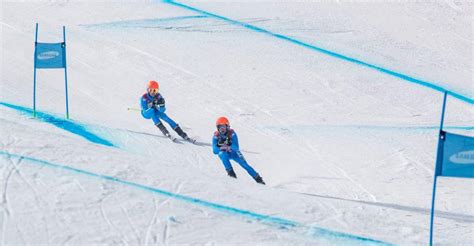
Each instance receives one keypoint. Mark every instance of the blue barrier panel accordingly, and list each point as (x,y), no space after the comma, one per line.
(50,55)
(457,156)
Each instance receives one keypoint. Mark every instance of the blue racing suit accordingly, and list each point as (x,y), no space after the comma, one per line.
(154,108)
(230,139)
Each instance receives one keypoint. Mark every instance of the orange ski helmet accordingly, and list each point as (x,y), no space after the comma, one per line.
(222,121)
(153,85)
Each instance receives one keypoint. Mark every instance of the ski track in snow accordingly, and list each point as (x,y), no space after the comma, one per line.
(103,213)
(4,219)
(38,202)
(5,203)
(164,239)
(130,223)
(151,224)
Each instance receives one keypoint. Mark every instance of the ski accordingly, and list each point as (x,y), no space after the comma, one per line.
(173,139)
(191,140)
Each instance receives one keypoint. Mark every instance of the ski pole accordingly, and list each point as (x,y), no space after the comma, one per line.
(133,109)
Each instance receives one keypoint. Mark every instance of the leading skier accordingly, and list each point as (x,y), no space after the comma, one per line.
(153,107)
(225,144)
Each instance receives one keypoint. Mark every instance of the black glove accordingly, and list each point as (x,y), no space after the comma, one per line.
(159,102)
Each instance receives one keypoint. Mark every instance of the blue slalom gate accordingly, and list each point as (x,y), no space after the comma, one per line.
(50,56)
(455,158)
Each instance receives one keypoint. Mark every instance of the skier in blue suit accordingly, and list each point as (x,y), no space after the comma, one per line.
(225,144)
(153,107)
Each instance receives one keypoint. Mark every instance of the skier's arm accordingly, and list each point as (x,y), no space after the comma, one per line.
(160,104)
(235,142)
(144,104)
(215,148)
(161,101)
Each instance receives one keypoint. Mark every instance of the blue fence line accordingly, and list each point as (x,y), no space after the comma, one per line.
(327,52)
(68,125)
(280,222)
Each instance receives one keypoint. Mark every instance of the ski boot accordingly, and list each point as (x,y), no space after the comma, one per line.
(231,173)
(164,130)
(182,134)
(259,179)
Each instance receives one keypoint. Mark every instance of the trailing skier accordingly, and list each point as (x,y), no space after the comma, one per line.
(153,107)
(225,144)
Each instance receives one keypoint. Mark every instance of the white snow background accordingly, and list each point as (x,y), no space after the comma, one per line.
(347,150)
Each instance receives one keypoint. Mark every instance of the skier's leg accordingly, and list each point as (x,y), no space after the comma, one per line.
(147,114)
(151,113)
(180,132)
(162,128)
(231,173)
(167,119)
(175,126)
(224,156)
(239,158)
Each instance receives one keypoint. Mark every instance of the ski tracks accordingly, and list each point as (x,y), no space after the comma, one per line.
(15,168)
(110,193)
(165,233)
(166,223)
(152,223)
(130,223)
(123,237)
(4,203)
(340,172)
(161,236)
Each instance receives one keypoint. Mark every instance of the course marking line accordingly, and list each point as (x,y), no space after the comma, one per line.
(267,219)
(327,52)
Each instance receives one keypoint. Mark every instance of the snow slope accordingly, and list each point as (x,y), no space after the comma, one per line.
(342,146)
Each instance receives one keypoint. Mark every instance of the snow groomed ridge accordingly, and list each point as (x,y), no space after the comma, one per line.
(427,84)
(67,125)
(280,223)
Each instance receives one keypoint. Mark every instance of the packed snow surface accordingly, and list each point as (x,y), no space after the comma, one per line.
(336,104)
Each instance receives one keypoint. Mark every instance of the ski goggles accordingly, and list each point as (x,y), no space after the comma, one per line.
(222,128)
(153,90)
